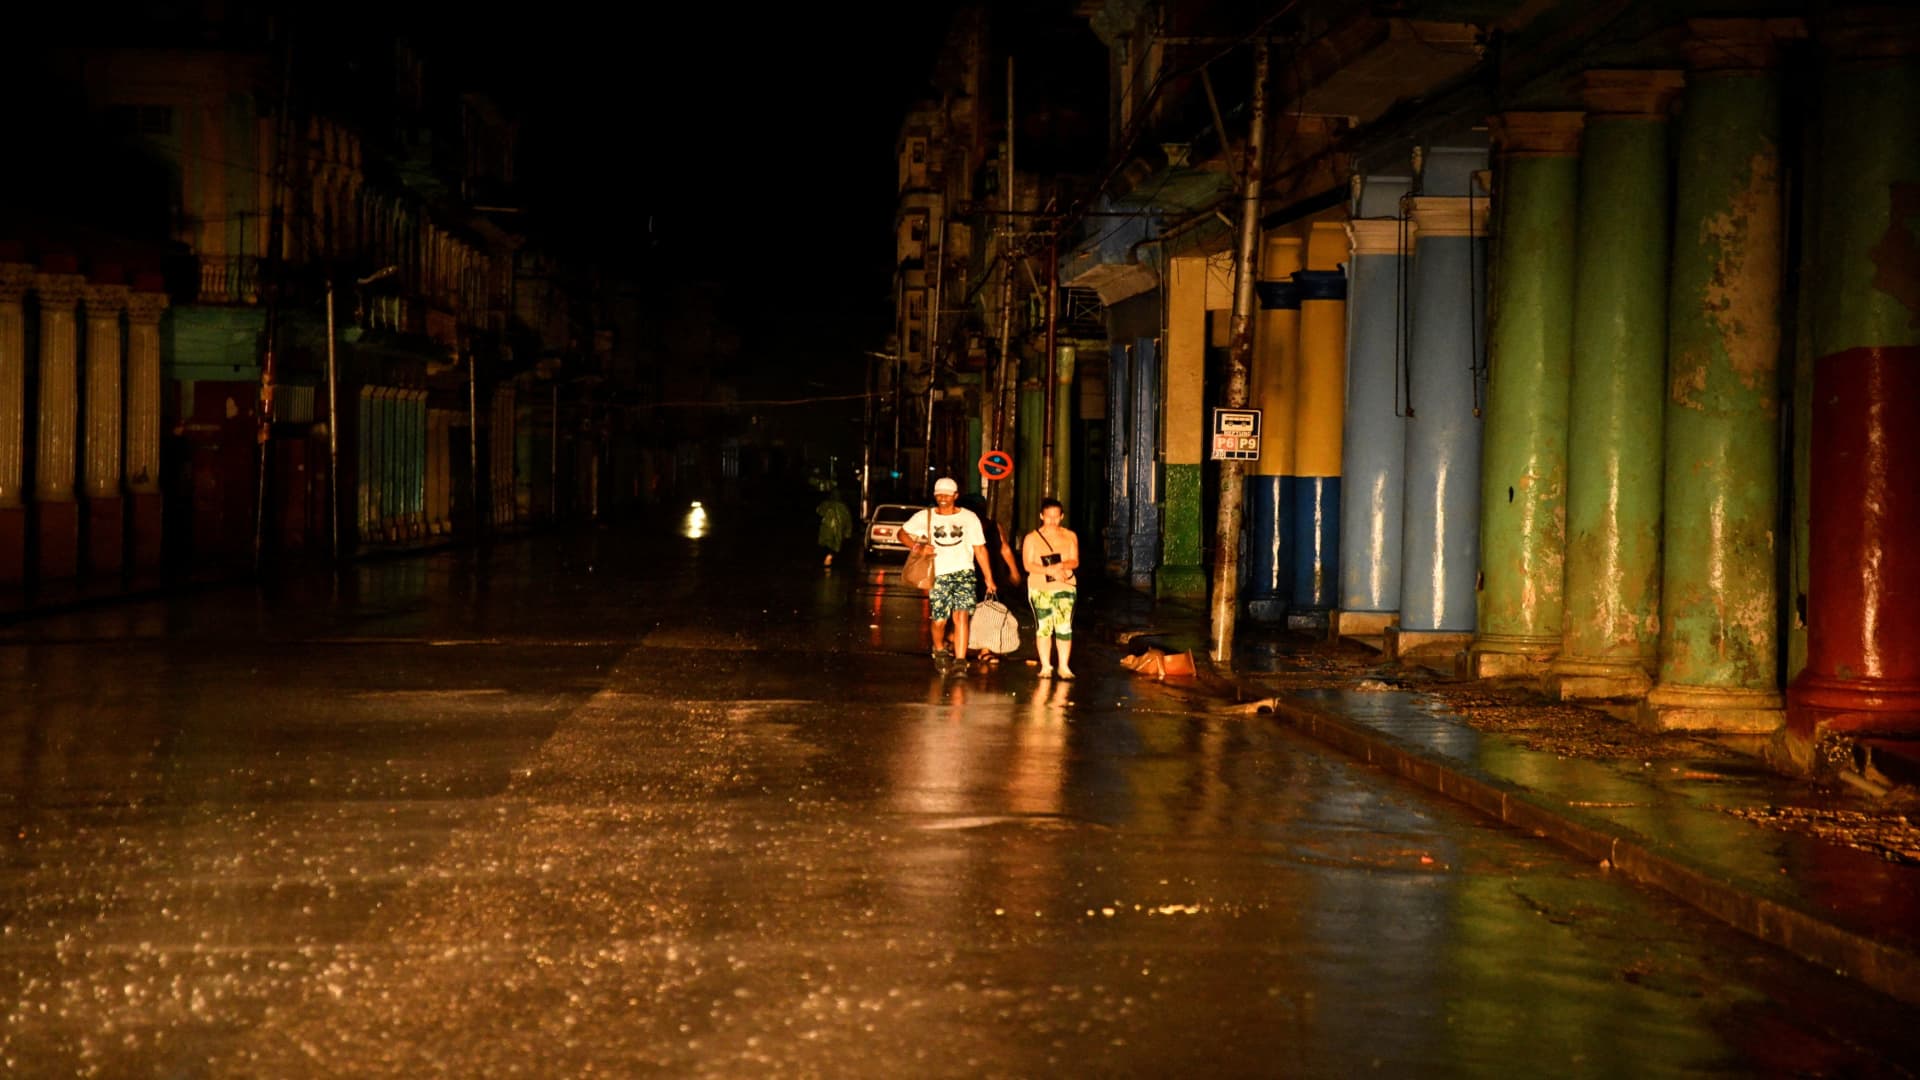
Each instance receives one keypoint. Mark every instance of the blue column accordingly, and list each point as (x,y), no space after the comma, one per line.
(1441,552)
(1143,464)
(1319,424)
(1119,483)
(1372,474)
(1269,581)
(1269,487)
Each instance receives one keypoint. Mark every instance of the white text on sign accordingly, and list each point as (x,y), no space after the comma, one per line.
(1236,435)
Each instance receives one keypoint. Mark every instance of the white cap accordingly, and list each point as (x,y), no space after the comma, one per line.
(946,486)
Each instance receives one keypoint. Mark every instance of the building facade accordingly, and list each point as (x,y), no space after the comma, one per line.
(1583,346)
(319,330)
(988,342)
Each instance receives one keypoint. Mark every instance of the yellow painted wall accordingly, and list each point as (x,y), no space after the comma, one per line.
(1322,382)
(1327,243)
(1220,281)
(1186,345)
(1275,359)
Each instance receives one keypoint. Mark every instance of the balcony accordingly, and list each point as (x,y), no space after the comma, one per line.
(229,280)
(393,314)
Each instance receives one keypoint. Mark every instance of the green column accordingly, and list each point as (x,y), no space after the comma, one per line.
(1523,470)
(1799,567)
(1063,443)
(1029,456)
(1614,475)
(1720,582)
(1182,574)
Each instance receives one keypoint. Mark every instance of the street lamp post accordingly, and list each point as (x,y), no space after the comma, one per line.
(867,433)
(333,432)
(333,410)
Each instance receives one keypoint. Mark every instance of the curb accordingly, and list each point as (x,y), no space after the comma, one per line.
(1751,908)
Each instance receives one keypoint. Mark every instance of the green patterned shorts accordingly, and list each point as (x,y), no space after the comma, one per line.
(1054,612)
(952,592)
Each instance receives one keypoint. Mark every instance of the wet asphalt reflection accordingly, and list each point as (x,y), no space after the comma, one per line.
(645,802)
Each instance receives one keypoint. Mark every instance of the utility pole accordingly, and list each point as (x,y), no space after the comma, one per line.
(333,403)
(553,457)
(1226,551)
(1000,493)
(998,388)
(866,436)
(333,431)
(273,281)
(473,442)
(899,391)
(933,341)
(1006,400)
(1052,366)
(870,421)
(937,234)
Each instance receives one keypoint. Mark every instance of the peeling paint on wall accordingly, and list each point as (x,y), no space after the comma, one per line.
(1746,317)
(1896,258)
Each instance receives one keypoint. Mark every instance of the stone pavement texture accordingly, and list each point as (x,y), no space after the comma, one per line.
(1689,817)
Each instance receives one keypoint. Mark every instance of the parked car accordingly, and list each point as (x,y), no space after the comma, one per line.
(883,528)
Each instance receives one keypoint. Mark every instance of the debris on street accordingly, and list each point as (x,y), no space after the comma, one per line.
(1891,835)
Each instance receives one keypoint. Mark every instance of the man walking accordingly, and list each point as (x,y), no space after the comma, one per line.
(959,565)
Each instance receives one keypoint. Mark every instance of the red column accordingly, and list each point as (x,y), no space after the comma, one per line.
(1863,585)
(1863,589)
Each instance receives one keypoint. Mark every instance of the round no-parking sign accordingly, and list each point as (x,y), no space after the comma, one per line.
(996,465)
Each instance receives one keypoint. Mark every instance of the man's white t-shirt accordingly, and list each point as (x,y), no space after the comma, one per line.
(954,537)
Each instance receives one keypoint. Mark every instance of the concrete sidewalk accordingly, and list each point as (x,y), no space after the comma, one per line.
(1718,830)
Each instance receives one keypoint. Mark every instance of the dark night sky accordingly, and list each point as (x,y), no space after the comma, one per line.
(760,143)
(750,145)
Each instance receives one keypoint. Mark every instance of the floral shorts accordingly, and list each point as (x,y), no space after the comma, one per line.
(952,592)
(1053,612)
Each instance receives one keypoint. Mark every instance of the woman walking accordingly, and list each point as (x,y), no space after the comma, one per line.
(1051,553)
(836,524)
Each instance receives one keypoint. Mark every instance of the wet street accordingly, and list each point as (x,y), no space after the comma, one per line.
(639,802)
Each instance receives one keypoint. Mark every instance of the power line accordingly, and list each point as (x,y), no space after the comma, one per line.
(757,403)
(1145,109)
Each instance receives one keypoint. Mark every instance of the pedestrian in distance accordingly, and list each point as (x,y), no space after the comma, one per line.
(836,524)
(959,564)
(1051,554)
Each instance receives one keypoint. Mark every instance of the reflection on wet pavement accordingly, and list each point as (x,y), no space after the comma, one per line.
(629,819)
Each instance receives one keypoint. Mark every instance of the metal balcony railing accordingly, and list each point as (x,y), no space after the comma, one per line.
(229,279)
